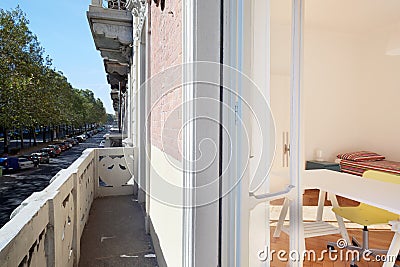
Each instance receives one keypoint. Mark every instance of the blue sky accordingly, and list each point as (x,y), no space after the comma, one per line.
(63,30)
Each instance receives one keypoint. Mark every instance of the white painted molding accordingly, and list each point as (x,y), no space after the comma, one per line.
(139,11)
(97,2)
(188,146)
(297,242)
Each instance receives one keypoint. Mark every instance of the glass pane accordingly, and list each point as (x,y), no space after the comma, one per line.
(281,48)
(270,70)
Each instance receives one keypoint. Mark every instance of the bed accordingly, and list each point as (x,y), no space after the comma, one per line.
(358,162)
(359,167)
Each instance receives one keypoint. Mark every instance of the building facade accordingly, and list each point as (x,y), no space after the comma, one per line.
(215,89)
(188,145)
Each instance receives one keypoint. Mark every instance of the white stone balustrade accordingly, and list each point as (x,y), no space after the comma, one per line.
(113,4)
(97,2)
(46,229)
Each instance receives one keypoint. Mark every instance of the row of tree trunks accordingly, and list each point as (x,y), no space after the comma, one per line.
(5,134)
(56,132)
(21,137)
(34,136)
(51,133)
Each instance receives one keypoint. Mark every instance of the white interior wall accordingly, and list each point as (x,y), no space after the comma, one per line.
(350,88)
(331,86)
(280,74)
(280,99)
(351,91)
(280,82)
(380,74)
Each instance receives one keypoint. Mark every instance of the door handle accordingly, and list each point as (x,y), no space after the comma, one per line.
(256,199)
(286,149)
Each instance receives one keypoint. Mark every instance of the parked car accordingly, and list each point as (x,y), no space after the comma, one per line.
(56,148)
(14,163)
(8,165)
(43,157)
(49,151)
(102,143)
(2,162)
(63,146)
(32,158)
(81,138)
(68,143)
(72,141)
(25,163)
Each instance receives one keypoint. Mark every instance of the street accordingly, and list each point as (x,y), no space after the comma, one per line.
(15,187)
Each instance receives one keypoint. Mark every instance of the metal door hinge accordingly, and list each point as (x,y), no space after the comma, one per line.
(236,112)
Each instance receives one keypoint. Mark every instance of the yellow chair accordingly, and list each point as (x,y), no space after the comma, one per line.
(367,215)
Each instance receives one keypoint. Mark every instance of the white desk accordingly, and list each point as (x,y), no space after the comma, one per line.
(372,192)
(375,193)
(311,229)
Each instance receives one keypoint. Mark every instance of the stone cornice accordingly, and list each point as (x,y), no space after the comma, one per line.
(116,67)
(112,31)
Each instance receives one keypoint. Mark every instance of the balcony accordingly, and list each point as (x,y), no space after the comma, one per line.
(87,216)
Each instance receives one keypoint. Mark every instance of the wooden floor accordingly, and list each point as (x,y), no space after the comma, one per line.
(310,198)
(377,239)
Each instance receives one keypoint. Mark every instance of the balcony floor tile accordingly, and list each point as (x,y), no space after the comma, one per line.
(115,235)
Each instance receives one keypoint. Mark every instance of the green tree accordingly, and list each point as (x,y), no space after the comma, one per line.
(111,118)
(21,59)
(32,93)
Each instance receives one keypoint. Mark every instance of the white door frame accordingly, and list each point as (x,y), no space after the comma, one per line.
(297,242)
(234,252)
(200,219)
(188,140)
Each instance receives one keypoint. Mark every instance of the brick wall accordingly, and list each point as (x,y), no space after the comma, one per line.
(166,94)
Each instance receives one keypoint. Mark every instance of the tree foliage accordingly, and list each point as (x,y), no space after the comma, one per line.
(111,118)
(32,93)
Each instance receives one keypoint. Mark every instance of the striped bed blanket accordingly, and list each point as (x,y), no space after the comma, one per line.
(358,168)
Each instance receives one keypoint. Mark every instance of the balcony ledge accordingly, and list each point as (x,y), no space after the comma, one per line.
(46,229)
